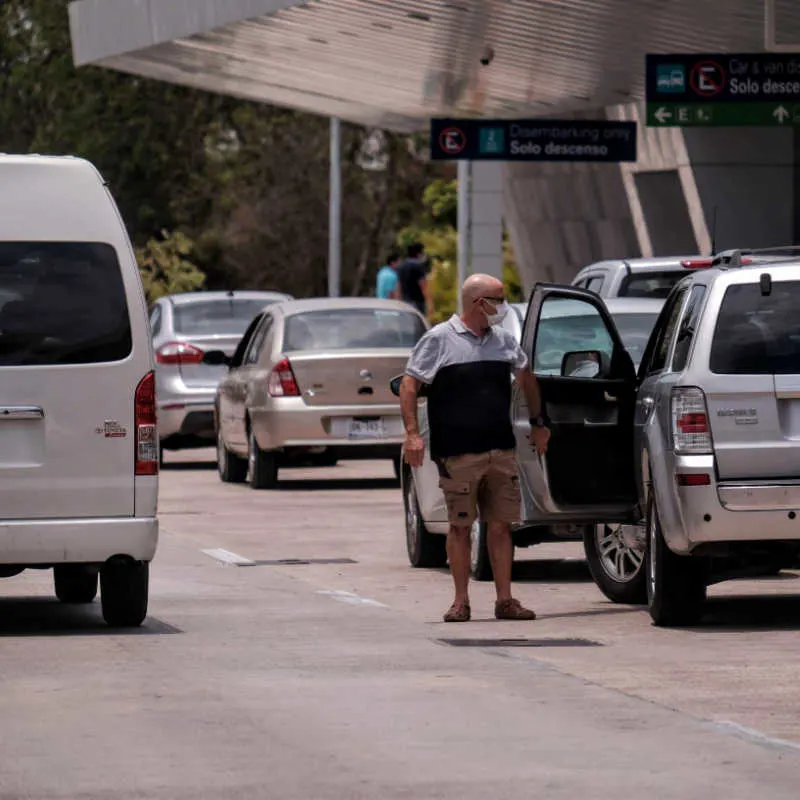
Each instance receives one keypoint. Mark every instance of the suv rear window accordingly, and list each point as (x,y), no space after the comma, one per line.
(650,284)
(758,334)
(62,303)
(224,315)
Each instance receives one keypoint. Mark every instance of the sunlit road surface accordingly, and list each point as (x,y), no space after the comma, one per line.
(291,652)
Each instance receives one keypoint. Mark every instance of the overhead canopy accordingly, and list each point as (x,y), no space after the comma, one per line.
(396,63)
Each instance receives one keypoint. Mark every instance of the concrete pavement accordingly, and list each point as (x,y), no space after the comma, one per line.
(331,680)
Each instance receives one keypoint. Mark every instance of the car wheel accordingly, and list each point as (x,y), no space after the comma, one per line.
(124,587)
(231,468)
(480,564)
(425,549)
(676,585)
(615,554)
(262,467)
(75,583)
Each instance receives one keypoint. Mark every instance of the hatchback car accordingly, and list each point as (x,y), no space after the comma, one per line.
(311,377)
(78,446)
(183,327)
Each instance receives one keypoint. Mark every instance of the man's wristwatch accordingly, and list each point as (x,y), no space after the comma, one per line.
(538,422)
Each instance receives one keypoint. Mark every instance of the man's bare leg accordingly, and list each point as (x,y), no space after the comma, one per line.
(501,556)
(458,554)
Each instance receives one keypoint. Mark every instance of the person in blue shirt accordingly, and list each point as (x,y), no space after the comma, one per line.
(386,286)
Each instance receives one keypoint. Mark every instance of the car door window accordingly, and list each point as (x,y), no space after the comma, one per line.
(257,342)
(595,283)
(238,357)
(155,321)
(655,360)
(688,326)
(571,327)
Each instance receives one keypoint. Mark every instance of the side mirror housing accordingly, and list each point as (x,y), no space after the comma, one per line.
(583,364)
(216,358)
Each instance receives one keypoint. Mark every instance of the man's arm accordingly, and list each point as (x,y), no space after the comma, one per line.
(414,445)
(540,434)
(425,288)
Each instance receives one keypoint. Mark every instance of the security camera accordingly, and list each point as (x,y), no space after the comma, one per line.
(487,56)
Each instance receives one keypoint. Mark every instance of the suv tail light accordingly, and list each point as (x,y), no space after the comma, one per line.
(691,432)
(706,263)
(145,423)
(179,353)
(282,382)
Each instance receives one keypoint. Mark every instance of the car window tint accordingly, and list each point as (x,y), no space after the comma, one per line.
(650,284)
(244,343)
(566,326)
(758,334)
(595,284)
(226,315)
(635,330)
(62,303)
(350,328)
(155,321)
(683,343)
(658,360)
(257,342)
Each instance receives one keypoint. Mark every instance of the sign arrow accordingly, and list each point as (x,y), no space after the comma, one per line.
(781,114)
(662,115)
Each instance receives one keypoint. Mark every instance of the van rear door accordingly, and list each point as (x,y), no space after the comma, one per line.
(754,397)
(67,382)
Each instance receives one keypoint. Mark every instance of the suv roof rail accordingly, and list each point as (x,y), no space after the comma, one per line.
(734,258)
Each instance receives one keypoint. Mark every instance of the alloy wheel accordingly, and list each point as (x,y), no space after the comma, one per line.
(412,516)
(621,549)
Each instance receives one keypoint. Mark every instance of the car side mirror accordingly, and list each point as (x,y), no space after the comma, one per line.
(582,364)
(216,358)
(394,385)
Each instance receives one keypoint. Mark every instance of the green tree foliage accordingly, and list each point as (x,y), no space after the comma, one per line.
(436,228)
(246,184)
(166,267)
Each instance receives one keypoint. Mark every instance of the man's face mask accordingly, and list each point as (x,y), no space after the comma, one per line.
(495,308)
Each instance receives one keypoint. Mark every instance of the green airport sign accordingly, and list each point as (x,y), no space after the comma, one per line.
(686,115)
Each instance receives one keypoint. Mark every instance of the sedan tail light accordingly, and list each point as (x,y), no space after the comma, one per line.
(146,433)
(282,382)
(691,432)
(179,353)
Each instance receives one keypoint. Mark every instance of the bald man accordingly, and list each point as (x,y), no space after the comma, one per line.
(467,363)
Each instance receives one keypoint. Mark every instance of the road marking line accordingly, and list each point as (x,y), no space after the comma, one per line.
(755,736)
(352,599)
(226,557)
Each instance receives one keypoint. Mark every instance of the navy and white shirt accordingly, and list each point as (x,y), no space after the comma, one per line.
(469,399)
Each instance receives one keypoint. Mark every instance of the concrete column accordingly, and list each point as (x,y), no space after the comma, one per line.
(486,223)
(462,268)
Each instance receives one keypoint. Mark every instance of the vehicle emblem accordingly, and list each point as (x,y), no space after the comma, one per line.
(365,375)
(112,430)
(741,416)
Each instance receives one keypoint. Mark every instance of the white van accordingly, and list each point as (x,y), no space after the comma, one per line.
(78,440)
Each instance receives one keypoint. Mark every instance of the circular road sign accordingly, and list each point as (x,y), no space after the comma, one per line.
(707,78)
(452,141)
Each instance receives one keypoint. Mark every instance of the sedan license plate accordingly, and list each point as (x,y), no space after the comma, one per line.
(366,429)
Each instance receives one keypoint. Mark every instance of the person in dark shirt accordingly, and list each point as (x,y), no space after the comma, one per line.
(412,278)
(467,364)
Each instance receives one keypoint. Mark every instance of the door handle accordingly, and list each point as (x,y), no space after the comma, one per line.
(609,398)
(21,412)
(592,424)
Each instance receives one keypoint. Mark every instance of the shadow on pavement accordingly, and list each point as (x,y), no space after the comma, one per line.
(561,570)
(732,614)
(42,616)
(336,484)
(187,466)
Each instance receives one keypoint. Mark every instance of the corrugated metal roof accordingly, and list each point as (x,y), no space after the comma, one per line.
(395,63)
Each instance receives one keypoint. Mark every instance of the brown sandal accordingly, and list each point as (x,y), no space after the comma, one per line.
(512,609)
(458,613)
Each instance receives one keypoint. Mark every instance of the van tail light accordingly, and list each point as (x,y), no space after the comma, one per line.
(691,432)
(179,353)
(282,382)
(145,424)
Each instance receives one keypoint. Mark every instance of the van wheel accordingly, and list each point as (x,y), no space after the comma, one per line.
(425,549)
(75,583)
(230,467)
(480,564)
(676,585)
(124,587)
(615,554)
(262,467)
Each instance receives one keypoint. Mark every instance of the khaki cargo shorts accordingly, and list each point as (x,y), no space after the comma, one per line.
(485,484)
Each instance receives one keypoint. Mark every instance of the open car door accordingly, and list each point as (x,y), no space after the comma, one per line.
(588,387)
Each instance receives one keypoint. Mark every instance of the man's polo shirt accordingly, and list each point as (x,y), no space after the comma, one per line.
(469,400)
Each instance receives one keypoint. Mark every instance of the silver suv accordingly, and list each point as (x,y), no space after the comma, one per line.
(702,446)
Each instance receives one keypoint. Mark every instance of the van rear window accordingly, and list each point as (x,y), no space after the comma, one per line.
(758,334)
(62,303)
(650,284)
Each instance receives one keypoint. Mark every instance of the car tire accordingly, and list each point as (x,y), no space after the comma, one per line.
(262,466)
(425,549)
(75,583)
(617,566)
(676,585)
(480,564)
(231,468)
(124,589)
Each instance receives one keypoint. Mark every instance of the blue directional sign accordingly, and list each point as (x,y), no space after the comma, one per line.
(532,140)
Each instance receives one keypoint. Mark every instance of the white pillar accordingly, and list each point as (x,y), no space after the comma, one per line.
(464,171)
(486,218)
(335,212)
